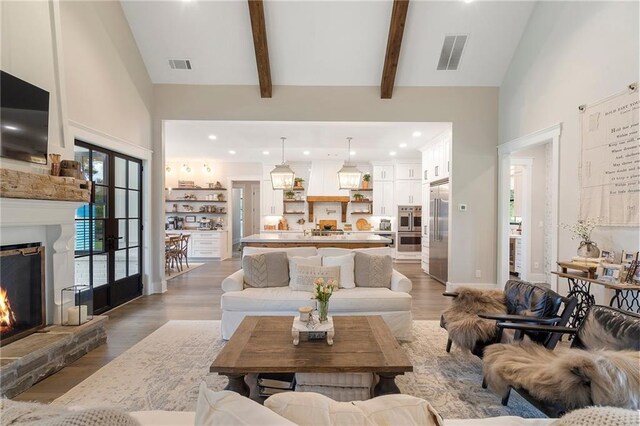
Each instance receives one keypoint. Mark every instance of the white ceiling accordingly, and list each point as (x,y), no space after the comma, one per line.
(323,140)
(316,43)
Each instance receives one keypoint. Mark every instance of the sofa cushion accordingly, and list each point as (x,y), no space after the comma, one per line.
(305,275)
(299,260)
(308,408)
(283,299)
(347,266)
(291,251)
(373,270)
(266,270)
(231,408)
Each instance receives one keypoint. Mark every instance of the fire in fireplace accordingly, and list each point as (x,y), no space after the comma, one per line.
(22,303)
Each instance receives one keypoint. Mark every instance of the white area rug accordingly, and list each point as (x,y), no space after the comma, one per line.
(191,267)
(164,370)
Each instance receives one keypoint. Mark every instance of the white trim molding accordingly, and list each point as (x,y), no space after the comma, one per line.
(549,135)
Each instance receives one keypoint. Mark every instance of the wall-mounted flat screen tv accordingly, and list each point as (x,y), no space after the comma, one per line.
(24,120)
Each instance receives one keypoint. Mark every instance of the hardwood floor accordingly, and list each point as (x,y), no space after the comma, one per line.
(194,296)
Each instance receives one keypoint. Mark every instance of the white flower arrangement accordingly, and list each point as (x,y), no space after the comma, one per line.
(324,289)
(582,230)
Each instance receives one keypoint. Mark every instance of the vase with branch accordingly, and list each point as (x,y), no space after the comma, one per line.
(581,231)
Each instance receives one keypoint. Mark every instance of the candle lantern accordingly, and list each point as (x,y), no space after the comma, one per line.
(76,305)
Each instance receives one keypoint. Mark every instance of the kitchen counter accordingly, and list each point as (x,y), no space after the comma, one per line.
(301,240)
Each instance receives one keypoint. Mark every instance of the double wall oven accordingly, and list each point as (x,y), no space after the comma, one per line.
(409,229)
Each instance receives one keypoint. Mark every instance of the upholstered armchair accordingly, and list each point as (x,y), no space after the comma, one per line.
(601,368)
(472,318)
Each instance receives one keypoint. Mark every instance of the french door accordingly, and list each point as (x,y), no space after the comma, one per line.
(108,252)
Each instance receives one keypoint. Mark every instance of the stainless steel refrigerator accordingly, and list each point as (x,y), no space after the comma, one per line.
(439,230)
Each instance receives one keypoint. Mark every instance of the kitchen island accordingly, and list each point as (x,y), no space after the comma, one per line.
(348,241)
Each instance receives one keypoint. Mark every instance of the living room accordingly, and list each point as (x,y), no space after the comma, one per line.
(527,72)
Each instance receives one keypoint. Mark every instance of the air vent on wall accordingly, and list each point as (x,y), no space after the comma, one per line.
(180,64)
(452,51)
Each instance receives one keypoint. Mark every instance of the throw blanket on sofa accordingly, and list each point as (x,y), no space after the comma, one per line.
(462,322)
(572,377)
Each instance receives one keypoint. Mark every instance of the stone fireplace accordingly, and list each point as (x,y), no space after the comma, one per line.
(22,290)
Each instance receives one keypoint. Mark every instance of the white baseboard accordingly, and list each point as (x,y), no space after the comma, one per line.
(453,286)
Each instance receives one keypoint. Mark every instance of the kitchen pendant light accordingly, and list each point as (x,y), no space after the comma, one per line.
(349,176)
(282,176)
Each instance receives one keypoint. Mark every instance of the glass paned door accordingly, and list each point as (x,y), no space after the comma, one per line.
(109,228)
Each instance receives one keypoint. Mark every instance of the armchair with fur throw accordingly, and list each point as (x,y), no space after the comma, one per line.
(602,367)
(472,317)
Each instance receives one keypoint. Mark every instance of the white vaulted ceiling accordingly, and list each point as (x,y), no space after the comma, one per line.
(318,43)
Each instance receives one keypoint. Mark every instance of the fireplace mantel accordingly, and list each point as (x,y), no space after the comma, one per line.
(23,212)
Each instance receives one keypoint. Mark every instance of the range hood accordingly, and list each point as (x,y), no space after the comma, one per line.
(323,179)
(323,186)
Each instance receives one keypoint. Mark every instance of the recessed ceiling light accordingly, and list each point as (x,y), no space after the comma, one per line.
(403,145)
(213,137)
(417,134)
(232,152)
(306,152)
(265,152)
(392,153)
(352,153)
(10,127)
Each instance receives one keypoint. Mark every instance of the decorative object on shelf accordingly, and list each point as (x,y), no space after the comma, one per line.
(305,313)
(298,183)
(190,197)
(70,168)
(289,195)
(301,221)
(349,176)
(363,224)
(609,272)
(607,256)
(187,208)
(628,258)
(365,181)
(358,197)
(55,164)
(190,219)
(175,208)
(220,197)
(186,184)
(282,177)
(322,293)
(582,231)
(216,185)
(348,227)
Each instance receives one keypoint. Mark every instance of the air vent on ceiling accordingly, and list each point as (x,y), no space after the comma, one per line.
(180,64)
(452,51)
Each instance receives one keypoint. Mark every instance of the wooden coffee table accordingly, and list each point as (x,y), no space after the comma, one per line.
(263,344)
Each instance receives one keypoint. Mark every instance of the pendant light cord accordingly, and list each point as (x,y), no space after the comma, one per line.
(283,139)
(349,148)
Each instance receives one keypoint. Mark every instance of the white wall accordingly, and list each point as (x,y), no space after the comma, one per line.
(571,53)
(472,110)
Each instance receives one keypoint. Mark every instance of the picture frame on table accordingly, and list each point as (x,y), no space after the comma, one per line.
(190,219)
(607,256)
(610,272)
(628,258)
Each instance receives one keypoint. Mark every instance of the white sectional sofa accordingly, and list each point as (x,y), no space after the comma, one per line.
(393,304)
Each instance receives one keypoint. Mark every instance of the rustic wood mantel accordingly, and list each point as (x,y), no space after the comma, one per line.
(25,185)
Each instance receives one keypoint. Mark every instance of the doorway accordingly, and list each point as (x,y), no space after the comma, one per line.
(108,251)
(245,211)
(528,207)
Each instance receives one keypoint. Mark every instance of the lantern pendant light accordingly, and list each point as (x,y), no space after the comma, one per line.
(282,176)
(349,176)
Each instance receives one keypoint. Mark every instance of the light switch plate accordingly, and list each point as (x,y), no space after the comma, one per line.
(462,207)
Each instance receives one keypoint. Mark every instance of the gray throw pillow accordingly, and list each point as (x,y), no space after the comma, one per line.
(270,269)
(373,271)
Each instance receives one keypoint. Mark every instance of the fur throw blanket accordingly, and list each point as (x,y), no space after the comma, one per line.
(461,318)
(572,377)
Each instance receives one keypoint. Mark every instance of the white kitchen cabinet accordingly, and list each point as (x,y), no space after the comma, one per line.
(383,198)
(408,192)
(382,173)
(272,204)
(209,244)
(408,171)
(436,160)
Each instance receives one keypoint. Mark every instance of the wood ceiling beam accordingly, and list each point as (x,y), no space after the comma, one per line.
(259,29)
(394,42)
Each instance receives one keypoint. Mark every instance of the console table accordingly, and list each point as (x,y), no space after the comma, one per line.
(626,297)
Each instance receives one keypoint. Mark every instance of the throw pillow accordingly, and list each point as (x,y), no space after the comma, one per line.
(266,269)
(347,266)
(373,271)
(30,413)
(231,408)
(299,260)
(306,275)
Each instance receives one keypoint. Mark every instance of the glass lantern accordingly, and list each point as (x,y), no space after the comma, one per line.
(76,305)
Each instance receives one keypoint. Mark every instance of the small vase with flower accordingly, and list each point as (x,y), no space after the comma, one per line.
(323,289)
